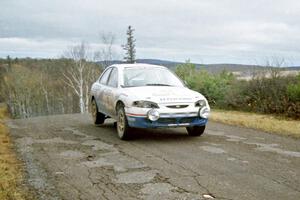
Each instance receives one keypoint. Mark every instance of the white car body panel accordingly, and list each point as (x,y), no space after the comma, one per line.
(165,96)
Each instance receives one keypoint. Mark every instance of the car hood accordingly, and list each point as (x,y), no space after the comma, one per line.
(164,94)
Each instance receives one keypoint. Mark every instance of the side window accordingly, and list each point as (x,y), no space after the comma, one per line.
(113,78)
(104,77)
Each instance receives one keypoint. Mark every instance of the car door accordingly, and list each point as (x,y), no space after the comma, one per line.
(101,89)
(111,91)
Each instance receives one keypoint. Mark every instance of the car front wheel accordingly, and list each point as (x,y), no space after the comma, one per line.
(98,117)
(122,124)
(195,130)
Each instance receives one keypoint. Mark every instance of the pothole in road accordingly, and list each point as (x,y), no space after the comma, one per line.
(136,177)
(234,138)
(74,132)
(231,159)
(212,144)
(72,154)
(123,161)
(215,133)
(151,191)
(274,148)
(238,160)
(157,188)
(98,145)
(110,156)
(101,162)
(212,149)
(57,140)
(118,161)
(230,138)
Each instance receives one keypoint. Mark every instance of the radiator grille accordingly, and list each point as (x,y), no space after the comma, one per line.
(177,106)
(174,120)
(167,120)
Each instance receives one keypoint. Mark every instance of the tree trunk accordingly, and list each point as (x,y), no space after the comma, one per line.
(87,98)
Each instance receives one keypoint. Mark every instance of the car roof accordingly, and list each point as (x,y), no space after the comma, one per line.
(136,65)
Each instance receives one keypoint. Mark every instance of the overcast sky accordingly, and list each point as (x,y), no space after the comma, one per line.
(204,31)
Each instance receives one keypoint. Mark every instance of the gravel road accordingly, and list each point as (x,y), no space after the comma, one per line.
(67,157)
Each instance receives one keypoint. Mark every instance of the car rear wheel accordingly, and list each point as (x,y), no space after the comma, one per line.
(98,117)
(195,130)
(122,124)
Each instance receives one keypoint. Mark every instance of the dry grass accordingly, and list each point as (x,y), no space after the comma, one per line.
(3,111)
(10,167)
(267,123)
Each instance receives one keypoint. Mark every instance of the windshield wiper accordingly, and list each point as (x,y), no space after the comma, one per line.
(149,84)
(157,84)
(127,86)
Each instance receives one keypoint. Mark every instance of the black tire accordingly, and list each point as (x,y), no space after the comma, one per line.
(98,117)
(123,128)
(195,130)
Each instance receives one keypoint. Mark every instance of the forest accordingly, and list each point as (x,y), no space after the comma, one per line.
(34,87)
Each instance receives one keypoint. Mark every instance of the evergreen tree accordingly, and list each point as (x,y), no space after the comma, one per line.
(130,46)
(8,61)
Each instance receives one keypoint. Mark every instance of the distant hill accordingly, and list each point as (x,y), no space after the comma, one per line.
(214,68)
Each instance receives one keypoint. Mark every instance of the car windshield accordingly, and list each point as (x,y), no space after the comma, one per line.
(155,76)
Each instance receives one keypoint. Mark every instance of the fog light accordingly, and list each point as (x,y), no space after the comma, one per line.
(153,115)
(204,112)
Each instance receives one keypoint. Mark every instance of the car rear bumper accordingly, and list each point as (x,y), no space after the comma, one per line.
(143,122)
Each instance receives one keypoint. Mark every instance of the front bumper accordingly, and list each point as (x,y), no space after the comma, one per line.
(143,122)
(169,117)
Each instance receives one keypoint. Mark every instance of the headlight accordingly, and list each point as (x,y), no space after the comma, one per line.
(200,103)
(145,104)
(204,112)
(153,115)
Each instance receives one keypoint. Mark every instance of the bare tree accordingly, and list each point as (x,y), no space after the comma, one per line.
(107,52)
(45,91)
(273,65)
(78,75)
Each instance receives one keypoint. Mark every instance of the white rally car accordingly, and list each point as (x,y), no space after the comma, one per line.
(147,96)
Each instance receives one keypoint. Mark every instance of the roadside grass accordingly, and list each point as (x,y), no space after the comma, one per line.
(10,168)
(267,123)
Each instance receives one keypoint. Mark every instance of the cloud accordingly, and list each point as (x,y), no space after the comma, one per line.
(209,31)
